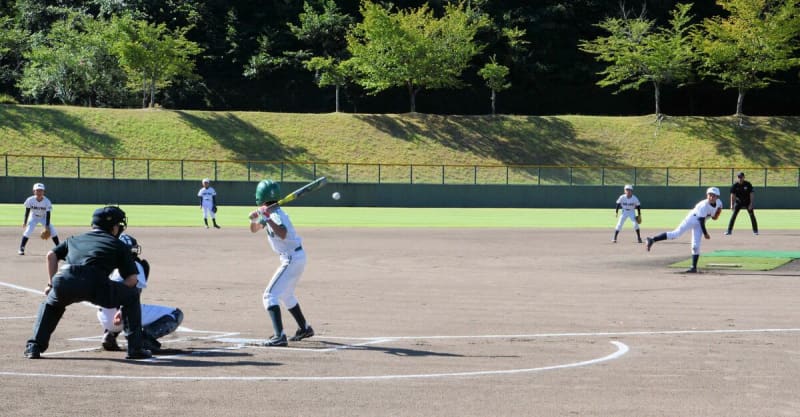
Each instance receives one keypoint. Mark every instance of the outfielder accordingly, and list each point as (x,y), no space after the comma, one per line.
(208,202)
(696,222)
(37,211)
(287,244)
(629,205)
(157,320)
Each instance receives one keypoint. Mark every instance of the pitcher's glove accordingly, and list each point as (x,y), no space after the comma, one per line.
(45,234)
(639,219)
(214,209)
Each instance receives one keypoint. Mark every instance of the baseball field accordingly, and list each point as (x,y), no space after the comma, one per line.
(473,318)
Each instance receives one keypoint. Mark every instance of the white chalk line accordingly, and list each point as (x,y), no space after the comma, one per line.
(622,349)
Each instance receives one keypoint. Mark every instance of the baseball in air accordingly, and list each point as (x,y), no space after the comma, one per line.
(336,195)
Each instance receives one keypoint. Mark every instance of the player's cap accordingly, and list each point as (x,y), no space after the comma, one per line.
(740,175)
(206,181)
(713,190)
(38,186)
(628,187)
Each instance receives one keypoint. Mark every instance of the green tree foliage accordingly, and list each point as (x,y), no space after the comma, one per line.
(13,45)
(329,72)
(756,39)
(495,76)
(413,48)
(639,52)
(73,64)
(152,55)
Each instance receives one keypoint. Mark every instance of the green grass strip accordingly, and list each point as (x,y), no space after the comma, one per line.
(744,263)
(655,221)
(757,253)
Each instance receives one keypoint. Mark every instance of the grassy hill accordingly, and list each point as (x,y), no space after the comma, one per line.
(402,138)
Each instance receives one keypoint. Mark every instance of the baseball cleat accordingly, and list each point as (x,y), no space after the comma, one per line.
(613,240)
(755,233)
(109,342)
(32,351)
(139,354)
(639,240)
(301,334)
(21,251)
(650,242)
(727,233)
(691,270)
(276,341)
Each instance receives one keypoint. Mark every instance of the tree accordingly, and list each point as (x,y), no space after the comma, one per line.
(73,64)
(757,39)
(325,33)
(638,52)
(495,76)
(412,48)
(152,55)
(13,45)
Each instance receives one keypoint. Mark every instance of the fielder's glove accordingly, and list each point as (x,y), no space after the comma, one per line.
(45,234)
(639,219)
(214,209)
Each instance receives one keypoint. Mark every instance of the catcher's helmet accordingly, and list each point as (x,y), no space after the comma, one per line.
(131,241)
(713,190)
(106,217)
(266,191)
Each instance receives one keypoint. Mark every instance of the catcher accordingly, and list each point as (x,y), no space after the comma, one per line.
(629,205)
(696,222)
(157,320)
(37,211)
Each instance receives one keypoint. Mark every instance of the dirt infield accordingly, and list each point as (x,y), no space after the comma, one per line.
(415,322)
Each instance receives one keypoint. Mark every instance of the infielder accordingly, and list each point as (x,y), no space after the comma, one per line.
(288,245)
(208,202)
(696,222)
(37,211)
(629,205)
(157,320)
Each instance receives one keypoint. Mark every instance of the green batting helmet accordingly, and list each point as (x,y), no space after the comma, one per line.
(267,190)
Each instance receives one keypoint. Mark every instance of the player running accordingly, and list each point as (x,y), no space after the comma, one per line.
(696,222)
(629,205)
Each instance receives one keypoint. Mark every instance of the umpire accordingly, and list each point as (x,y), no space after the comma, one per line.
(742,198)
(90,258)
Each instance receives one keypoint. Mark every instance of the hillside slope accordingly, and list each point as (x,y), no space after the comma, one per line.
(401,138)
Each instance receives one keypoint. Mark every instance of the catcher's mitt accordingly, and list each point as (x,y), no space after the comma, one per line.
(45,234)
(639,219)
(214,209)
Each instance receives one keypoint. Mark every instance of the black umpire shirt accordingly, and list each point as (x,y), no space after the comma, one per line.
(742,192)
(98,249)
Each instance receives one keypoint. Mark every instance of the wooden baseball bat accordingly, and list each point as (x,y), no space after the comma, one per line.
(294,195)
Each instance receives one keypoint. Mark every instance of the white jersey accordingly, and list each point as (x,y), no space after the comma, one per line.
(207,195)
(628,203)
(289,245)
(38,208)
(142,284)
(704,209)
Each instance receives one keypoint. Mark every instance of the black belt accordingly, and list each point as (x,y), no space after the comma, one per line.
(298,249)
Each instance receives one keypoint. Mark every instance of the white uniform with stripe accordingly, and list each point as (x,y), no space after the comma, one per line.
(150,312)
(628,211)
(207,195)
(703,209)
(293,261)
(38,215)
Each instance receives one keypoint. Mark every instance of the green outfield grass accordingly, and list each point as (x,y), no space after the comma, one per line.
(228,216)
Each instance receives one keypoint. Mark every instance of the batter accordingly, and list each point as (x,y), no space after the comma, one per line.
(284,241)
(696,222)
(37,211)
